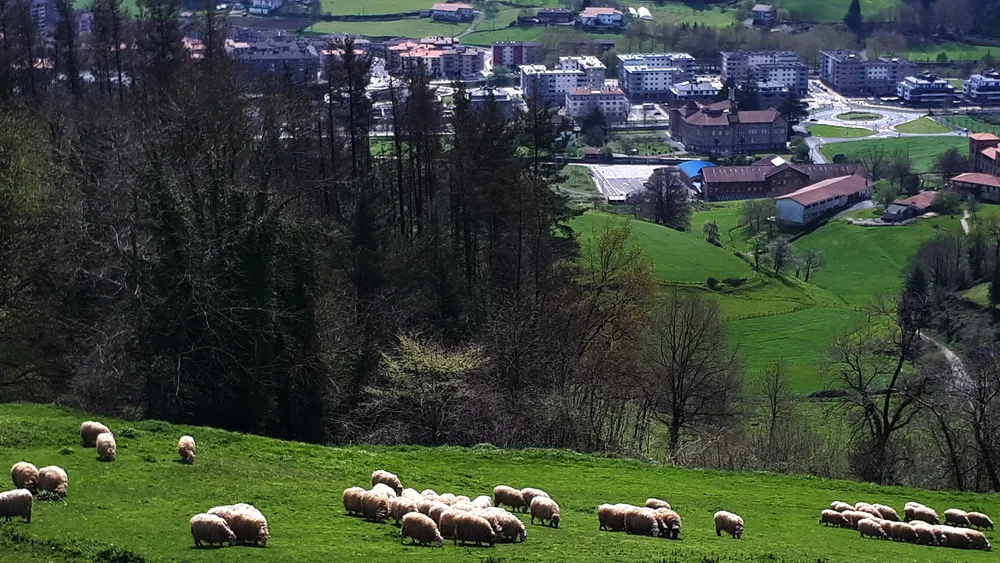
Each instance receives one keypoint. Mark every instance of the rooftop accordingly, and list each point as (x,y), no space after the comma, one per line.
(594,12)
(984,137)
(921,201)
(607,90)
(762,8)
(450,7)
(826,189)
(978,179)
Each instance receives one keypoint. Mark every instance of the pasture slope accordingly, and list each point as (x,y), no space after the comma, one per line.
(137,508)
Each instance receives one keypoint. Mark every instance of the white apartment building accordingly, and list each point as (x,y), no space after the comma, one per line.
(551,85)
(610,101)
(983,89)
(925,90)
(649,76)
(783,67)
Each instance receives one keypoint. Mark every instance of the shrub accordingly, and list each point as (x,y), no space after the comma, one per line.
(735,282)
(129,433)
(48,496)
(118,555)
(712,283)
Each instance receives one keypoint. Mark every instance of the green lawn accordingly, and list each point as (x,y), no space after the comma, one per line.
(979,294)
(928,51)
(397,28)
(973,124)
(371,7)
(837,132)
(646,143)
(579,184)
(958,83)
(924,125)
(137,508)
(831,11)
(677,13)
(727,214)
(922,150)
(859,116)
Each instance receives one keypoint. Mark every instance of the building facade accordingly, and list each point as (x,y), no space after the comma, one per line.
(554,15)
(702,91)
(850,74)
(610,101)
(778,67)
(983,89)
(277,56)
(925,90)
(764,15)
(721,128)
(601,17)
(513,54)
(545,85)
(439,57)
(812,202)
(452,12)
(769,177)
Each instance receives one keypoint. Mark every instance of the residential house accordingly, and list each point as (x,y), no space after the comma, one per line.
(452,12)
(513,54)
(545,85)
(776,67)
(983,89)
(770,176)
(439,57)
(601,17)
(976,184)
(722,128)
(549,16)
(806,205)
(903,209)
(984,154)
(481,98)
(764,15)
(265,7)
(277,56)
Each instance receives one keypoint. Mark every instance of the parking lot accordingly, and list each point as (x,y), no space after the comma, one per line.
(617,181)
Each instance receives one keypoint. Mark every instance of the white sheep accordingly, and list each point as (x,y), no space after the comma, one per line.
(424,507)
(401,506)
(655,503)
(925,532)
(612,516)
(840,506)
(464,506)
(872,529)
(482,501)
(246,521)
(855,516)
(388,479)
(730,523)
(89,431)
(412,494)
(210,529)
(185,449)
(901,531)
(375,506)
(53,479)
(957,517)
(386,489)
(504,495)
(16,503)
(24,475)
(493,517)
(472,528)
(668,522)
(427,493)
(949,536)
(545,508)
(831,517)
(869,509)
(642,522)
(886,512)
(436,511)
(924,513)
(980,520)
(511,527)
(978,541)
(860,504)
(353,500)
(446,522)
(421,529)
(463,498)
(106,447)
(447,498)
(528,493)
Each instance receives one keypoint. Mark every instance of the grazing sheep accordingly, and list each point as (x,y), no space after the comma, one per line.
(375,506)
(483,501)
(185,449)
(544,509)
(511,527)
(389,479)
(655,503)
(612,516)
(492,517)
(429,494)
(53,479)
(668,522)
(436,511)
(950,536)
(421,529)
(504,495)
(352,500)
(924,513)
(831,517)
(840,506)
(871,529)
(730,523)
(886,512)
(246,521)
(401,506)
(463,498)
(464,506)
(870,509)
(528,494)
(210,529)
(957,517)
(859,505)
(446,522)
(980,520)
(412,494)
(448,498)
(925,532)
(106,447)
(978,541)
(424,507)
(472,528)
(89,431)
(642,522)
(25,476)
(901,531)
(16,503)
(854,516)
(386,489)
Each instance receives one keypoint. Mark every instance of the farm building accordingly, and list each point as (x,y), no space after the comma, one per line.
(764,14)
(978,185)
(601,17)
(452,12)
(903,209)
(804,206)
(770,176)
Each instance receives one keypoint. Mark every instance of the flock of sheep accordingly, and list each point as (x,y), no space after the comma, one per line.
(232,523)
(920,524)
(658,519)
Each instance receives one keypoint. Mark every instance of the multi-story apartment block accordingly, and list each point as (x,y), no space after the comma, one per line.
(983,89)
(925,90)
(513,54)
(545,85)
(649,76)
(783,67)
(277,56)
(850,74)
(610,101)
(439,57)
(696,90)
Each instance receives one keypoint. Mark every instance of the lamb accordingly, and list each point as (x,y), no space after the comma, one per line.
(106,447)
(25,476)
(840,506)
(871,528)
(504,495)
(642,522)
(953,537)
(375,506)
(388,479)
(980,520)
(544,509)
(978,541)
(246,521)
(528,493)
(446,522)
(923,513)
(401,506)
(901,531)
(925,532)
(655,503)
(472,528)
(352,500)
(185,449)
(957,517)
(612,516)
(89,431)
(16,503)
(483,501)
(668,522)
(421,529)
(210,529)
(385,489)
(512,529)
(886,512)
(412,494)
(832,517)
(53,479)
(730,523)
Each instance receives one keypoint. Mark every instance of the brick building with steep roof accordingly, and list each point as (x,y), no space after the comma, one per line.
(722,128)
(769,177)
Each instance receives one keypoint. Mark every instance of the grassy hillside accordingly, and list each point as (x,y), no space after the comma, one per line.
(924,125)
(837,132)
(142,502)
(922,150)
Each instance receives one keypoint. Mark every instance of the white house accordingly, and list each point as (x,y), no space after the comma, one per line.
(452,12)
(601,17)
(804,206)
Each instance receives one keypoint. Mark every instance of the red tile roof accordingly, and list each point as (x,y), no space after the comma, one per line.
(984,137)
(761,170)
(990,153)
(978,179)
(594,12)
(921,201)
(834,187)
(721,114)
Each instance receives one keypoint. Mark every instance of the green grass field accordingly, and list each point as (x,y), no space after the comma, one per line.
(677,13)
(397,28)
(372,7)
(928,51)
(837,132)
(924,126)
(579,185)
(980,294)
(922,150)
(859,116)
(139,506)
(973,124)
(831,11)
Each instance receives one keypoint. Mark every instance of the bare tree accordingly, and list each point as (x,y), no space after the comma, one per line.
(875,160)
(694,375)
(670,198)
(776,392)
(781,253)
(811,261)
(982,408)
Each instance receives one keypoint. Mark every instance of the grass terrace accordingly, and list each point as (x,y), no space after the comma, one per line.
(922,150)
(923,126)
(412,27)
(979,123)
(837,132)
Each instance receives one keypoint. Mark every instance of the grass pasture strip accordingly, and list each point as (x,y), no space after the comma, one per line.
(924,126)
(922,150)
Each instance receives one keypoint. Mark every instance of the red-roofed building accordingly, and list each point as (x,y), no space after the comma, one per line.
(977,184)
(453,12)
(601,17)
(721,128)
(903,209)
(810,203)
(770,176)
(984,153)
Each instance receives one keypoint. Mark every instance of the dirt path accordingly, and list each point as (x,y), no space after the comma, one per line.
(965,221)
(960,377)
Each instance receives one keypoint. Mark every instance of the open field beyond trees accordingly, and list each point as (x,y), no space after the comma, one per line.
(137,508)
(922,150)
